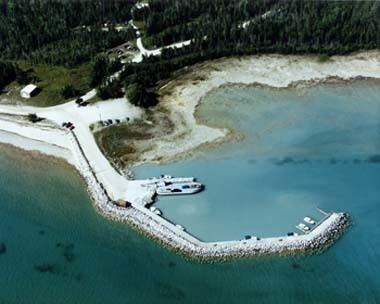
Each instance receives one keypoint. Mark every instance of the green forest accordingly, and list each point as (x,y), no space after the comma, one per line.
(60,32)
(8,73)
(240,27)
(69,34)
(278,26)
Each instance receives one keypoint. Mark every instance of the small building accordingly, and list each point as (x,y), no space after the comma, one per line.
(122,203)
(29,91)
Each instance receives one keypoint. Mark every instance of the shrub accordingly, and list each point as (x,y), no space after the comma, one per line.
(79,100)
(112,89)
(140,96)
(324,58)
(34,118)
(69,91)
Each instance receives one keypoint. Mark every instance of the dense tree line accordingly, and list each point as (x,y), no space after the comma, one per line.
(79,48)
(102,67)
(70,32)
(174,18)
(61,32)
(8,73)
(140,96)
(288,27)
(110,89)
(164,14)
(280,26)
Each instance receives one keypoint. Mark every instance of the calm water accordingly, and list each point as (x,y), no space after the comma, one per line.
(302,149)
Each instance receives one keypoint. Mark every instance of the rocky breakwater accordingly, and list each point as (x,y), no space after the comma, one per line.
(181,242)
(322,236)
(171,236)
(318,239)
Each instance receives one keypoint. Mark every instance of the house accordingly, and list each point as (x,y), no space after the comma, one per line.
(29,91)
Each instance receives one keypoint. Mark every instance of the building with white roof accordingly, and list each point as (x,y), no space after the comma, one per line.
(29,91)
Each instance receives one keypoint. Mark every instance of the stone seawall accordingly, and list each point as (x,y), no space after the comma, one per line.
(171,236)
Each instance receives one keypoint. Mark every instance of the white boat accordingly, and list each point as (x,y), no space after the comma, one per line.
(158,211)
(303,227)
(180,189)
(164,180)
(180,227)
(309,220)
(163,184)
(161,177)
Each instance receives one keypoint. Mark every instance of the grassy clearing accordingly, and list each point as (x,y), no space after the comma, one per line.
(123,144)
(117,141)
(51,81)
(112,142)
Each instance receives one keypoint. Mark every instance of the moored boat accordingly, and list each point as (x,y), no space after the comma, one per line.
(303,227)
(309,220)
(180,227)
(179,189)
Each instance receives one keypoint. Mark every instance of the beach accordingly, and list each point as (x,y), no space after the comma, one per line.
(181,96)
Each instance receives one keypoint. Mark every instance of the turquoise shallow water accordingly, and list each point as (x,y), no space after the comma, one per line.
(59,250)
(301,149)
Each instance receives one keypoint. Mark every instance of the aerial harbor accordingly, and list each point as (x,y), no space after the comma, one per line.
(152,151)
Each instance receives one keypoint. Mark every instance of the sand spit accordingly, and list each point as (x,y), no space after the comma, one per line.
(181,96)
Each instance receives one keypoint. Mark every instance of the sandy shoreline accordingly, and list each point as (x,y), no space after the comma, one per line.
(180,98)
(46,140)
